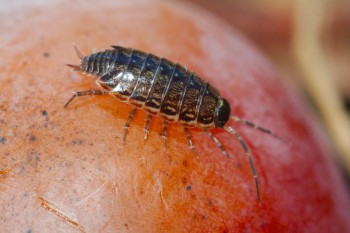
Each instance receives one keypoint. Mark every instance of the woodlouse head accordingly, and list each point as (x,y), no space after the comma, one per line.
(82,67)
(84,64)
(222,113)
(84,61)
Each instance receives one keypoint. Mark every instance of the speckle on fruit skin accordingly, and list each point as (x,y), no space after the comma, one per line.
(32,138)
(2,140)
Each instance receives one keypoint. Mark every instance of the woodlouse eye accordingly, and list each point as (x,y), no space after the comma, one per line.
(222,113)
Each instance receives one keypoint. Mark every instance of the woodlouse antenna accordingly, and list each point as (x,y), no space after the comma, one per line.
(75,67)
(80,55)
(249,154)
(255,126)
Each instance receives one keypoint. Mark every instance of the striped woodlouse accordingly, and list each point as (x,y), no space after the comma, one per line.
(163,89)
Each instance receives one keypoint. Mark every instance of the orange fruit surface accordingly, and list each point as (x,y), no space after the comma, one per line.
(66,169)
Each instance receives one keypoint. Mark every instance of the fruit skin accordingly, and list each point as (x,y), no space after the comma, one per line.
(72,160)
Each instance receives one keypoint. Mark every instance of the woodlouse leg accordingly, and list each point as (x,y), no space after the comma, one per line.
(255,126)
(248,153)
(128,122)
(189,139)
(146,130)
(218,143)
(164,133)
(84,93)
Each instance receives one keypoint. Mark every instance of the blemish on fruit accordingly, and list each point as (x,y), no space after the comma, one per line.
(2,140)
(126,225)
(185,163)
(77,142)
(32,138)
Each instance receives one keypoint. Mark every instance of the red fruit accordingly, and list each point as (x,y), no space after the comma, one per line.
(66,170)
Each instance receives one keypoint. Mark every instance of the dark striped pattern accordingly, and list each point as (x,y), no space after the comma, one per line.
(154,84)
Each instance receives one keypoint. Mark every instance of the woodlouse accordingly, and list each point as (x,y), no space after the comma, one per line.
(163,89)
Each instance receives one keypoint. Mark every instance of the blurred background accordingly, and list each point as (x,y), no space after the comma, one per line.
(310,43)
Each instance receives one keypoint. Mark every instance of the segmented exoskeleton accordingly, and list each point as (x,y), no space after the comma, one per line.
(162,89)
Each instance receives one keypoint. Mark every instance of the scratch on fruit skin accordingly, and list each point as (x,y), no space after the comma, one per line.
(135,187)
(114,189)
(160,190)
(50,207)
(94,192)
(6,170)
